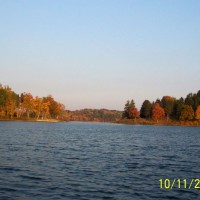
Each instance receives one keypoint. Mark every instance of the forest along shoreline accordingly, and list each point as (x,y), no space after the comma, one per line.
(125,122)
(165,111)
(160,123)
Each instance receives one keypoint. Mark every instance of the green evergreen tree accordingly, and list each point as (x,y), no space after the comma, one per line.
(132,104)
(178,107)
(192,100)
(145,111)
(158,101)
(126,109)
(198,93)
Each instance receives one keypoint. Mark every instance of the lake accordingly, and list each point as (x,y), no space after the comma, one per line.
(97,161)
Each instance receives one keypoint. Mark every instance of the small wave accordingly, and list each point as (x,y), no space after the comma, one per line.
(32,177)
(7,189)
(10,168)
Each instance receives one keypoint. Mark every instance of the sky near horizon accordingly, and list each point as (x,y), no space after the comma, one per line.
(100,53)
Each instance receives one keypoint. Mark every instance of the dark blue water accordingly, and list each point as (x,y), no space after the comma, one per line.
(96,161)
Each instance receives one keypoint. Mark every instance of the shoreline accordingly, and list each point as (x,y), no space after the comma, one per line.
(125,122)
(32,120)
(161,123)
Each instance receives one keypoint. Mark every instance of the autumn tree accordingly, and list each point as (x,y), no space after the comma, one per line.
(37,106)
(157,112)
(45,109)
(20,110)
(55,109)
(187,113)
(27,103)
(145,111)
(134,113)
(197,113)
(10,107)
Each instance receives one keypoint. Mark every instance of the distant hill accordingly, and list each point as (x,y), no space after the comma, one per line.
(97,115)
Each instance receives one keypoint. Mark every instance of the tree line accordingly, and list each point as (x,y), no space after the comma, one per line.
(97,115)
(22,106)
(25,106)
(168,108)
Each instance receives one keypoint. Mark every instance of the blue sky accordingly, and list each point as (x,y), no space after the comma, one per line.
(99,53)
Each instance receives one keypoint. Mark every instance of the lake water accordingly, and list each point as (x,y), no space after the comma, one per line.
(96,161)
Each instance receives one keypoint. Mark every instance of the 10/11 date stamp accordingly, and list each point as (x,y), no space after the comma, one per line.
(178,183)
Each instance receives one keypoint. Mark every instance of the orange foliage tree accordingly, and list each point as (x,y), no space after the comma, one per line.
(134,113)
(28,103)
(37,105)
(45,109)
(20,110)
(56,109)
(197,113)
(157,112)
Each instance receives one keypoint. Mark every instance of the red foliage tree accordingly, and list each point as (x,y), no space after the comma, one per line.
(134,113)
(157,112)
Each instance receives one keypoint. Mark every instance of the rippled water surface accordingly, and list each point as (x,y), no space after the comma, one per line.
(96,161)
